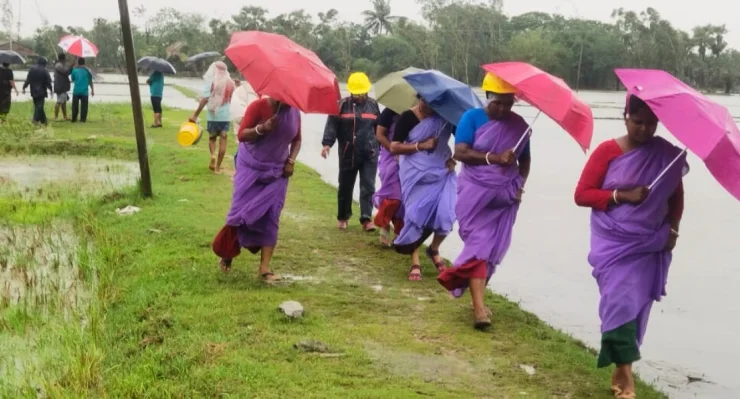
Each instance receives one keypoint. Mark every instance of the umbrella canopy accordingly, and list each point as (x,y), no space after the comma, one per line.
(448,97)
(551,95)
(395,92)
(703,126)
(155,64)
(240,100)
(276,66)
(78,46)
(202,57)
(11,57)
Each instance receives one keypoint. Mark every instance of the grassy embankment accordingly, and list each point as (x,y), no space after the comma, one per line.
(160,320)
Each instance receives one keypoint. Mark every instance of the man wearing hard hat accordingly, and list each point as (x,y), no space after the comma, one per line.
(486,144)
(354,129)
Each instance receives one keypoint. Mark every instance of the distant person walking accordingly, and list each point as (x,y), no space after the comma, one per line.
(83,89)
(7,85)
(61,86)
(216,97)
(156,90)
(40,81)
(354,129)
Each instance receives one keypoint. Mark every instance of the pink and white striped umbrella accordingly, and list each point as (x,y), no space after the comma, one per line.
(78,46)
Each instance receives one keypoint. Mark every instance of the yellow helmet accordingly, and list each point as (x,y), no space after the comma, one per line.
(497,85)
(358,83)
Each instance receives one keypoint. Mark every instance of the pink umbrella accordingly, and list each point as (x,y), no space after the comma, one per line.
(78,46)
(703,126)
(551,95)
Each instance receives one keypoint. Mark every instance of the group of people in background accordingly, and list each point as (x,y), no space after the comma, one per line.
(41,86)
(634,228)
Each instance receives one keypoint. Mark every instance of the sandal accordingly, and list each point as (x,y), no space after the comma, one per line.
(415,276)
(482,325)
(441,266)
(225,265)
(270,277)
(616,390)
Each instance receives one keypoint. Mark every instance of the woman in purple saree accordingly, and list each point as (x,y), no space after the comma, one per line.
(270,136)
(428,184)
(387,200)
(633,232)
(489,190)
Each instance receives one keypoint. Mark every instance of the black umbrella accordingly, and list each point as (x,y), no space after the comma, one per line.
(202,57)
(11,57)
(156,64)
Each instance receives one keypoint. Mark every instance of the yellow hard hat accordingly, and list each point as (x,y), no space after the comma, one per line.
(497,85)
(358,83)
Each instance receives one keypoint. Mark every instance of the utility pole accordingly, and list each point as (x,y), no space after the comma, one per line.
(580,60)
(133,82)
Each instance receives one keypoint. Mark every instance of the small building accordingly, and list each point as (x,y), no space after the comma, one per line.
(19,48)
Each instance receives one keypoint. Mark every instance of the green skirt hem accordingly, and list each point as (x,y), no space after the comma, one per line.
(619,346)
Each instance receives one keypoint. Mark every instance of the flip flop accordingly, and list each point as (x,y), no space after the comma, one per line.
(225,265)
(482,325)
(270,277)
(414,276)
(441,266)
(385,239)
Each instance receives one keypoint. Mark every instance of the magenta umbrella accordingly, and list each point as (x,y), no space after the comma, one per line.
(551,95)
(703,126)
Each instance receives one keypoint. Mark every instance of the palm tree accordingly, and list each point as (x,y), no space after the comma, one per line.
(379,20)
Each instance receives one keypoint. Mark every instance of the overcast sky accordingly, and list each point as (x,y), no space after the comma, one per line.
(684,14)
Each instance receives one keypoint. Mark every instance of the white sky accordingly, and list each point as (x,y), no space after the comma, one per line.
(684,14)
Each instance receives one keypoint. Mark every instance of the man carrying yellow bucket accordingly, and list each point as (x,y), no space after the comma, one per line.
(354,129)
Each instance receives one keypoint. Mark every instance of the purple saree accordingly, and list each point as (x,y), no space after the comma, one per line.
(427,186)
(390,184)
(259,185)
(629,262)
(486,204)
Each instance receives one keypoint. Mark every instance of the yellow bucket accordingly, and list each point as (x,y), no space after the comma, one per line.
(189,134)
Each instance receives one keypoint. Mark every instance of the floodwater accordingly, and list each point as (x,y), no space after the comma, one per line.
(83,175)
(692,331)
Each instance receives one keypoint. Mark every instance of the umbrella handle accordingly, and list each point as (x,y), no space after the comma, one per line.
(526,132)
(666,169)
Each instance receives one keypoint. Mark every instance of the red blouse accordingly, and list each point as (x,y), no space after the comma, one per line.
(258,112)
(589,192)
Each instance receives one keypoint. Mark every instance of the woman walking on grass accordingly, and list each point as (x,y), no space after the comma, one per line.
(216,97)
(633,233)
(270,136)
(428,183)
(489,190)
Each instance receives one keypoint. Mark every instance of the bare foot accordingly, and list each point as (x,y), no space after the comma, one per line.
(342,225)
(212,165)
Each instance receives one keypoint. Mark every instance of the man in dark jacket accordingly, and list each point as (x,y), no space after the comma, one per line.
(354,129)
(61,86)
(40,81)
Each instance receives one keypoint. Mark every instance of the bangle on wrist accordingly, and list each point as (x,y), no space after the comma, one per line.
(257,130)
(614,197)
(290,161)
(674,233)
(487,160)
(417,147)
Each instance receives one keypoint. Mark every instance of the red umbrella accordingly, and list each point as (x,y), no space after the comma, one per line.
(78,46)
(551,95)
(281,69)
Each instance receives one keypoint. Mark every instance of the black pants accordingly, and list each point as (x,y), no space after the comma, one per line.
(39,114)
(79,105)
(347,177)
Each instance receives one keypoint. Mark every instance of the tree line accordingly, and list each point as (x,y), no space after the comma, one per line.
(455,37)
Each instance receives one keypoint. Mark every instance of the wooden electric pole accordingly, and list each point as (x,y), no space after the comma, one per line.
(133,82)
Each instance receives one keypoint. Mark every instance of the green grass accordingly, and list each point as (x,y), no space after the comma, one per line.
(167,323)
(190,93)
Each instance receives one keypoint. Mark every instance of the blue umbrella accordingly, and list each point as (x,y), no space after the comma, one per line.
(155,64)
(448,97)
